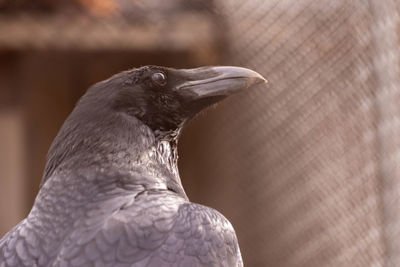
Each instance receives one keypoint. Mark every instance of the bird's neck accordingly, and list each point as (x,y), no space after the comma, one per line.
(125,145)
(162,160)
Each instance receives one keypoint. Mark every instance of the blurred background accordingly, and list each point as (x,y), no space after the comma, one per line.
(307,168)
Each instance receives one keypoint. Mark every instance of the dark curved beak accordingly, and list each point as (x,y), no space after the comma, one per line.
(217,81)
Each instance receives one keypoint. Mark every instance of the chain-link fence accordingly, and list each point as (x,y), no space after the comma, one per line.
(308,169)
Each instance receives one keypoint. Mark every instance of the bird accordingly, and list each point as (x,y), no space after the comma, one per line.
(111,194)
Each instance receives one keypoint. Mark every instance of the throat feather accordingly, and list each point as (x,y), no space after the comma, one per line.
(166,154)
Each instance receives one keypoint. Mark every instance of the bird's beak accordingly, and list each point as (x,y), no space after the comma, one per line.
(217,81)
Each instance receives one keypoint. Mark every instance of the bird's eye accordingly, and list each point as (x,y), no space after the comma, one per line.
(159,78)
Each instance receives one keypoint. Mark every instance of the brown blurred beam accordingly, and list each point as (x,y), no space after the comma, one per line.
(12,169)
(184,31)
(46,84)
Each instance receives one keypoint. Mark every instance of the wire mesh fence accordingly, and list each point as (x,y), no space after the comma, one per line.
(315,156)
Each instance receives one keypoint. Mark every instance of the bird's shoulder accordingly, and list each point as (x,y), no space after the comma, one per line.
(157,228)
(19,247)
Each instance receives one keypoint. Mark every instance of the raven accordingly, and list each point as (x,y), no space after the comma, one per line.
(111,194)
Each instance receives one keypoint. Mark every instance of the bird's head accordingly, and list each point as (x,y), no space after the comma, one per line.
(164,98)
(133,110)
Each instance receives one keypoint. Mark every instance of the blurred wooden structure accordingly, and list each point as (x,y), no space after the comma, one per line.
(187,31)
